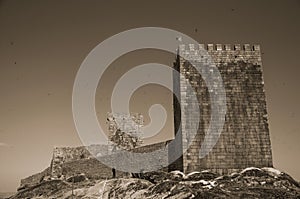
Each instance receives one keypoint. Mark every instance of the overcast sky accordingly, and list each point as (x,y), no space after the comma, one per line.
(43,43)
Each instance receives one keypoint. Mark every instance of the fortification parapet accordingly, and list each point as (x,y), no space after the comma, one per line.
(221,53)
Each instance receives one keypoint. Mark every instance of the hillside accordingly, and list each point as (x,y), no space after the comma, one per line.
(249,183)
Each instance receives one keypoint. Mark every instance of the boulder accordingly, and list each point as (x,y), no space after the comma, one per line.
(76,178)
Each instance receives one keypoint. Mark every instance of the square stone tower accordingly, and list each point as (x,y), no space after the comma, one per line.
(244,141)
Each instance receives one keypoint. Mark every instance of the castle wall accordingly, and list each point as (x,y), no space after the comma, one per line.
(63,155)
(66,154)
(69,161)
(92,168)
(245,139)
(149,148)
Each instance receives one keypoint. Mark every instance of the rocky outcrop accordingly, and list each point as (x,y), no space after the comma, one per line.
(249,183)
(35,179)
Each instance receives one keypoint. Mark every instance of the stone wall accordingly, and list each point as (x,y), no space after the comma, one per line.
(69,161)
(62,155)
(92,168)
(150,148)
(245,137)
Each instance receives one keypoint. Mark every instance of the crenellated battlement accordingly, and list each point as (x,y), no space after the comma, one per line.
(221,53)
(220,47)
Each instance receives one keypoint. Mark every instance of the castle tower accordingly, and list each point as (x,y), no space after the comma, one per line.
(245,139)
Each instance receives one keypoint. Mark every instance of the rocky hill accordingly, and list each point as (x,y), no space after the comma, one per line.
(5,194)
(249,183)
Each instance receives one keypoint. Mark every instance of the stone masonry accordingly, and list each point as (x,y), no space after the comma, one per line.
(71,161)
(245,140)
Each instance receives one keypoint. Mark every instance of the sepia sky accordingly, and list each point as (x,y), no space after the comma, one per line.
(43,43)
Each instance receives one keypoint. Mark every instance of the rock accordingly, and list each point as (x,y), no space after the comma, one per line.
(253,171)
(206,175)
(42,190)
(250,183)
(271,171)
(162,187)
(22,187)
(77,178)
(177,175)
(288,178)
(156,176)
(114,188)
